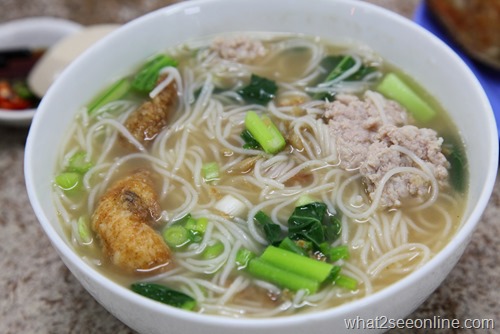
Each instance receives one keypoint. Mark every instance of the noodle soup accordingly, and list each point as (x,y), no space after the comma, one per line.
(271,144)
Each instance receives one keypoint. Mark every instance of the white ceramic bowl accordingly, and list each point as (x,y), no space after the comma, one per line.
(401,42)
(31,33)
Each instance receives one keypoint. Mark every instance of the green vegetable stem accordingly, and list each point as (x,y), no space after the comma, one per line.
(164,295)
(265,132)
(112,93)
(145,80)
(393,87)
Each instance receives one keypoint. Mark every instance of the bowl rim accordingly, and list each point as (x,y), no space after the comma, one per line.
(460,237)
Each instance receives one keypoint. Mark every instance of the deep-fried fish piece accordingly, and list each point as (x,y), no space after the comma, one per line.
(122,222)
(474,24)
(146,122)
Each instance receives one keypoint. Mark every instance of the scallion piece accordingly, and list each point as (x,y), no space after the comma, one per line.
(112,93)
(395,88)
(304,200)
(297,264)
(84,230)
(210,171)
(231,206)
(176,236)
(265,132)
(69,181)
(269,272)
(243,256)
(212,251)
(78,163)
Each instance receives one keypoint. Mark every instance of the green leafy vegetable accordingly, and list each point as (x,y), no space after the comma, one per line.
(311,222)
(306,222)
(112,93)
(335,66)
(250,142)
(145,80)
(260,90)
(342,64)
(458,162)
(271,230)
(337,253)
(164,295)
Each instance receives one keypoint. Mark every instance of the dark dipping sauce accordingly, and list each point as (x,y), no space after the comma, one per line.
(15,65)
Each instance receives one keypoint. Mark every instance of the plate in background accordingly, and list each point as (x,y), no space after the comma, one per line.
(488,77)
(31,33)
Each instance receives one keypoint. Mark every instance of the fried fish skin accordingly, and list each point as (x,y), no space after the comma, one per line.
(147,121)
(122,221)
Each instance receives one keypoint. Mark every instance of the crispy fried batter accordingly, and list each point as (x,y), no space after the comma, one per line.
(122,222)
(474,24)
(151,117)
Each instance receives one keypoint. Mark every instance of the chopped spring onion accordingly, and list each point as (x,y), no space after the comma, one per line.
(395,88)
(176,236)
(69,181)
(271,273)
(297,264)
(145,80)
(112,93)
(346,282)
(84,230)
(231,206)
(164,295)
(265,132)
(197,227)
(304,200)
(210,171)
(78,163)
(212,251)
(243,256)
